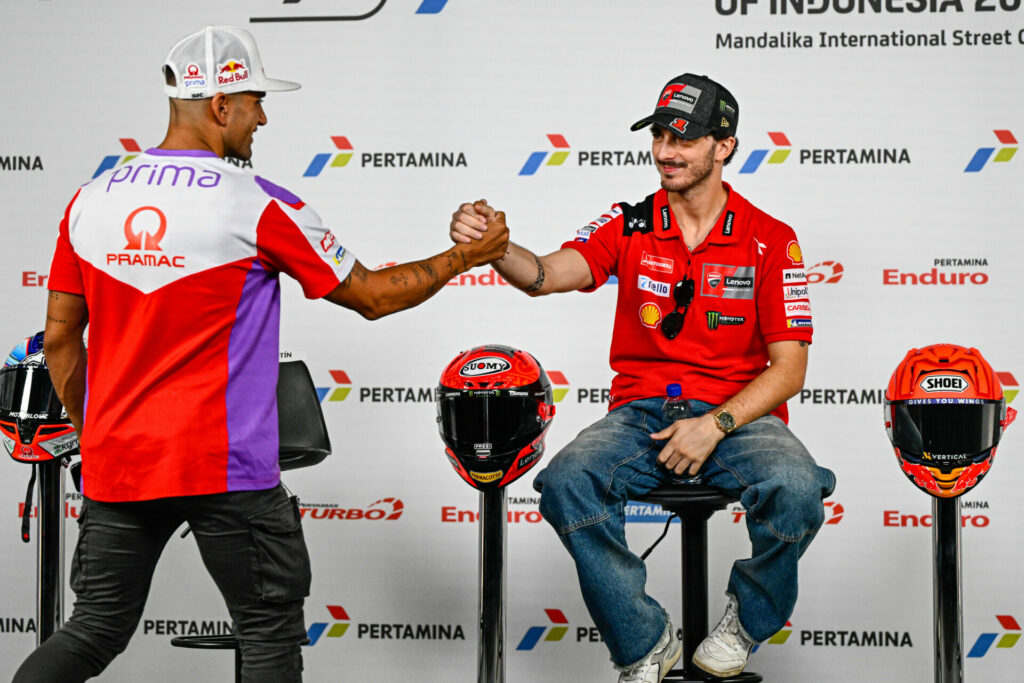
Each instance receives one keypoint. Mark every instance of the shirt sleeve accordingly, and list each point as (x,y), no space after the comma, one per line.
(290,238)
(65,270)
(598,243)
(783,304)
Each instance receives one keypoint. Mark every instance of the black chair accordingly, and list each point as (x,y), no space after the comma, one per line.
(304,442)
(694,505)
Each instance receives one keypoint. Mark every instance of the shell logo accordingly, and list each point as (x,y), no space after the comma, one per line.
(794,253)
(650,315)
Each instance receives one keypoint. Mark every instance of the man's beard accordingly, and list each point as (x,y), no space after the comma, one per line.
(700,171)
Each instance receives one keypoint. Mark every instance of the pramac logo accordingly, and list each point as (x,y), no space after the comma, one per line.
(144,229)
(487,365)
(140,239)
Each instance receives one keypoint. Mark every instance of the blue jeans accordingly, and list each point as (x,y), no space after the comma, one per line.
(252,545)
(585,487)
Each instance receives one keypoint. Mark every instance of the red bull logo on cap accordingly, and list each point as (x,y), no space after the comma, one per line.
(233,71)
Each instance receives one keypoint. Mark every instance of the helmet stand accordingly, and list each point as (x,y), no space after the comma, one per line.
(50,547)
(949,665)
(491,617)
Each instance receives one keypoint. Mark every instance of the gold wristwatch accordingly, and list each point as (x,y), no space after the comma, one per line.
(723,420)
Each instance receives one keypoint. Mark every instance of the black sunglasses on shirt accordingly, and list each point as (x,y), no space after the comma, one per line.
(683,295)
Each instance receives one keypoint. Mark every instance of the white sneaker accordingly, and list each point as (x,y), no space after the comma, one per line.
(653,667)
(726,649)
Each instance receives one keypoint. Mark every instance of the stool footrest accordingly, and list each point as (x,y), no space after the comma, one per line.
(698,676)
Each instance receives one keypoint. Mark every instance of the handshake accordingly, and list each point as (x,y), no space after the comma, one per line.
(482,229)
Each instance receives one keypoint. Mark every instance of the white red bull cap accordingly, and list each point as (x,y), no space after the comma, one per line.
(218,59)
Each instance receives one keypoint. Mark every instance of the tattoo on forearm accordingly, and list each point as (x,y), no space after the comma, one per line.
(55,320)
(803,343)
(539,282)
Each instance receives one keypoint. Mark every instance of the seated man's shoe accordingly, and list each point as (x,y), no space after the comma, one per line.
(726,649)
(653,667)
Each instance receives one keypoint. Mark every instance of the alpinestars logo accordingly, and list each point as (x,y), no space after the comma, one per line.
(557,631)
(558,157)
(983,154)
(1007,640)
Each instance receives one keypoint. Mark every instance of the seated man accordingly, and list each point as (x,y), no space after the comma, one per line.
(694,244)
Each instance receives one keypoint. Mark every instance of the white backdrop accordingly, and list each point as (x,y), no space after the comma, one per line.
(485,85)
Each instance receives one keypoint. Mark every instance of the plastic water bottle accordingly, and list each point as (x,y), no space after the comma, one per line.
(675,407)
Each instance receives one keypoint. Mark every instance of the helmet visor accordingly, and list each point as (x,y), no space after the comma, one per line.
(946,435)
(26,393)
(501,422)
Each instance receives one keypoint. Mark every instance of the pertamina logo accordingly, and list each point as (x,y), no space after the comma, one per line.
(781,152)
(558,157)
(130,146)
(843,638)
(555,632)
(1006,640)
(560,385)
(983,154)
(392,630)
(1010,386)
(825,156)
(387,159)
(944,271)
(371,394)
(144,229)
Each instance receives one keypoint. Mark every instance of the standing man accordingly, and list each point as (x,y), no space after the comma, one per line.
(173,260)
(742,351)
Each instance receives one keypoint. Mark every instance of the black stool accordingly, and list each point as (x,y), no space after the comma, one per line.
(694,504)
(303,442)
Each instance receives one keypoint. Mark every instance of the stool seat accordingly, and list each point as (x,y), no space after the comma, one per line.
(694,504)
(690,496)
(222,642)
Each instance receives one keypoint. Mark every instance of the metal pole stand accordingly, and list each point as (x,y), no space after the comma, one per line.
(50,545)
(491,617)
(949,663)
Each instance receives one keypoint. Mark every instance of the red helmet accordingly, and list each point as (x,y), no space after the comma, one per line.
(944,414)
(494,407)
(33,423)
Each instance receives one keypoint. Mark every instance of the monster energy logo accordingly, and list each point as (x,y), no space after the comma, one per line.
(715,319)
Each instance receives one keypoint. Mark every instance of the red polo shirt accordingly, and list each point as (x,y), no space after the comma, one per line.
(751,290)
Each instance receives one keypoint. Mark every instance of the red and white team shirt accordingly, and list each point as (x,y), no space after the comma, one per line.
(750,291)
(177,254)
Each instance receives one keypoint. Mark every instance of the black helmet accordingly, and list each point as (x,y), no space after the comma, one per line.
(494,407)
(33,423)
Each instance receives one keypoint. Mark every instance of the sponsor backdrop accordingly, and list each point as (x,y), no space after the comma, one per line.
(884,131)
